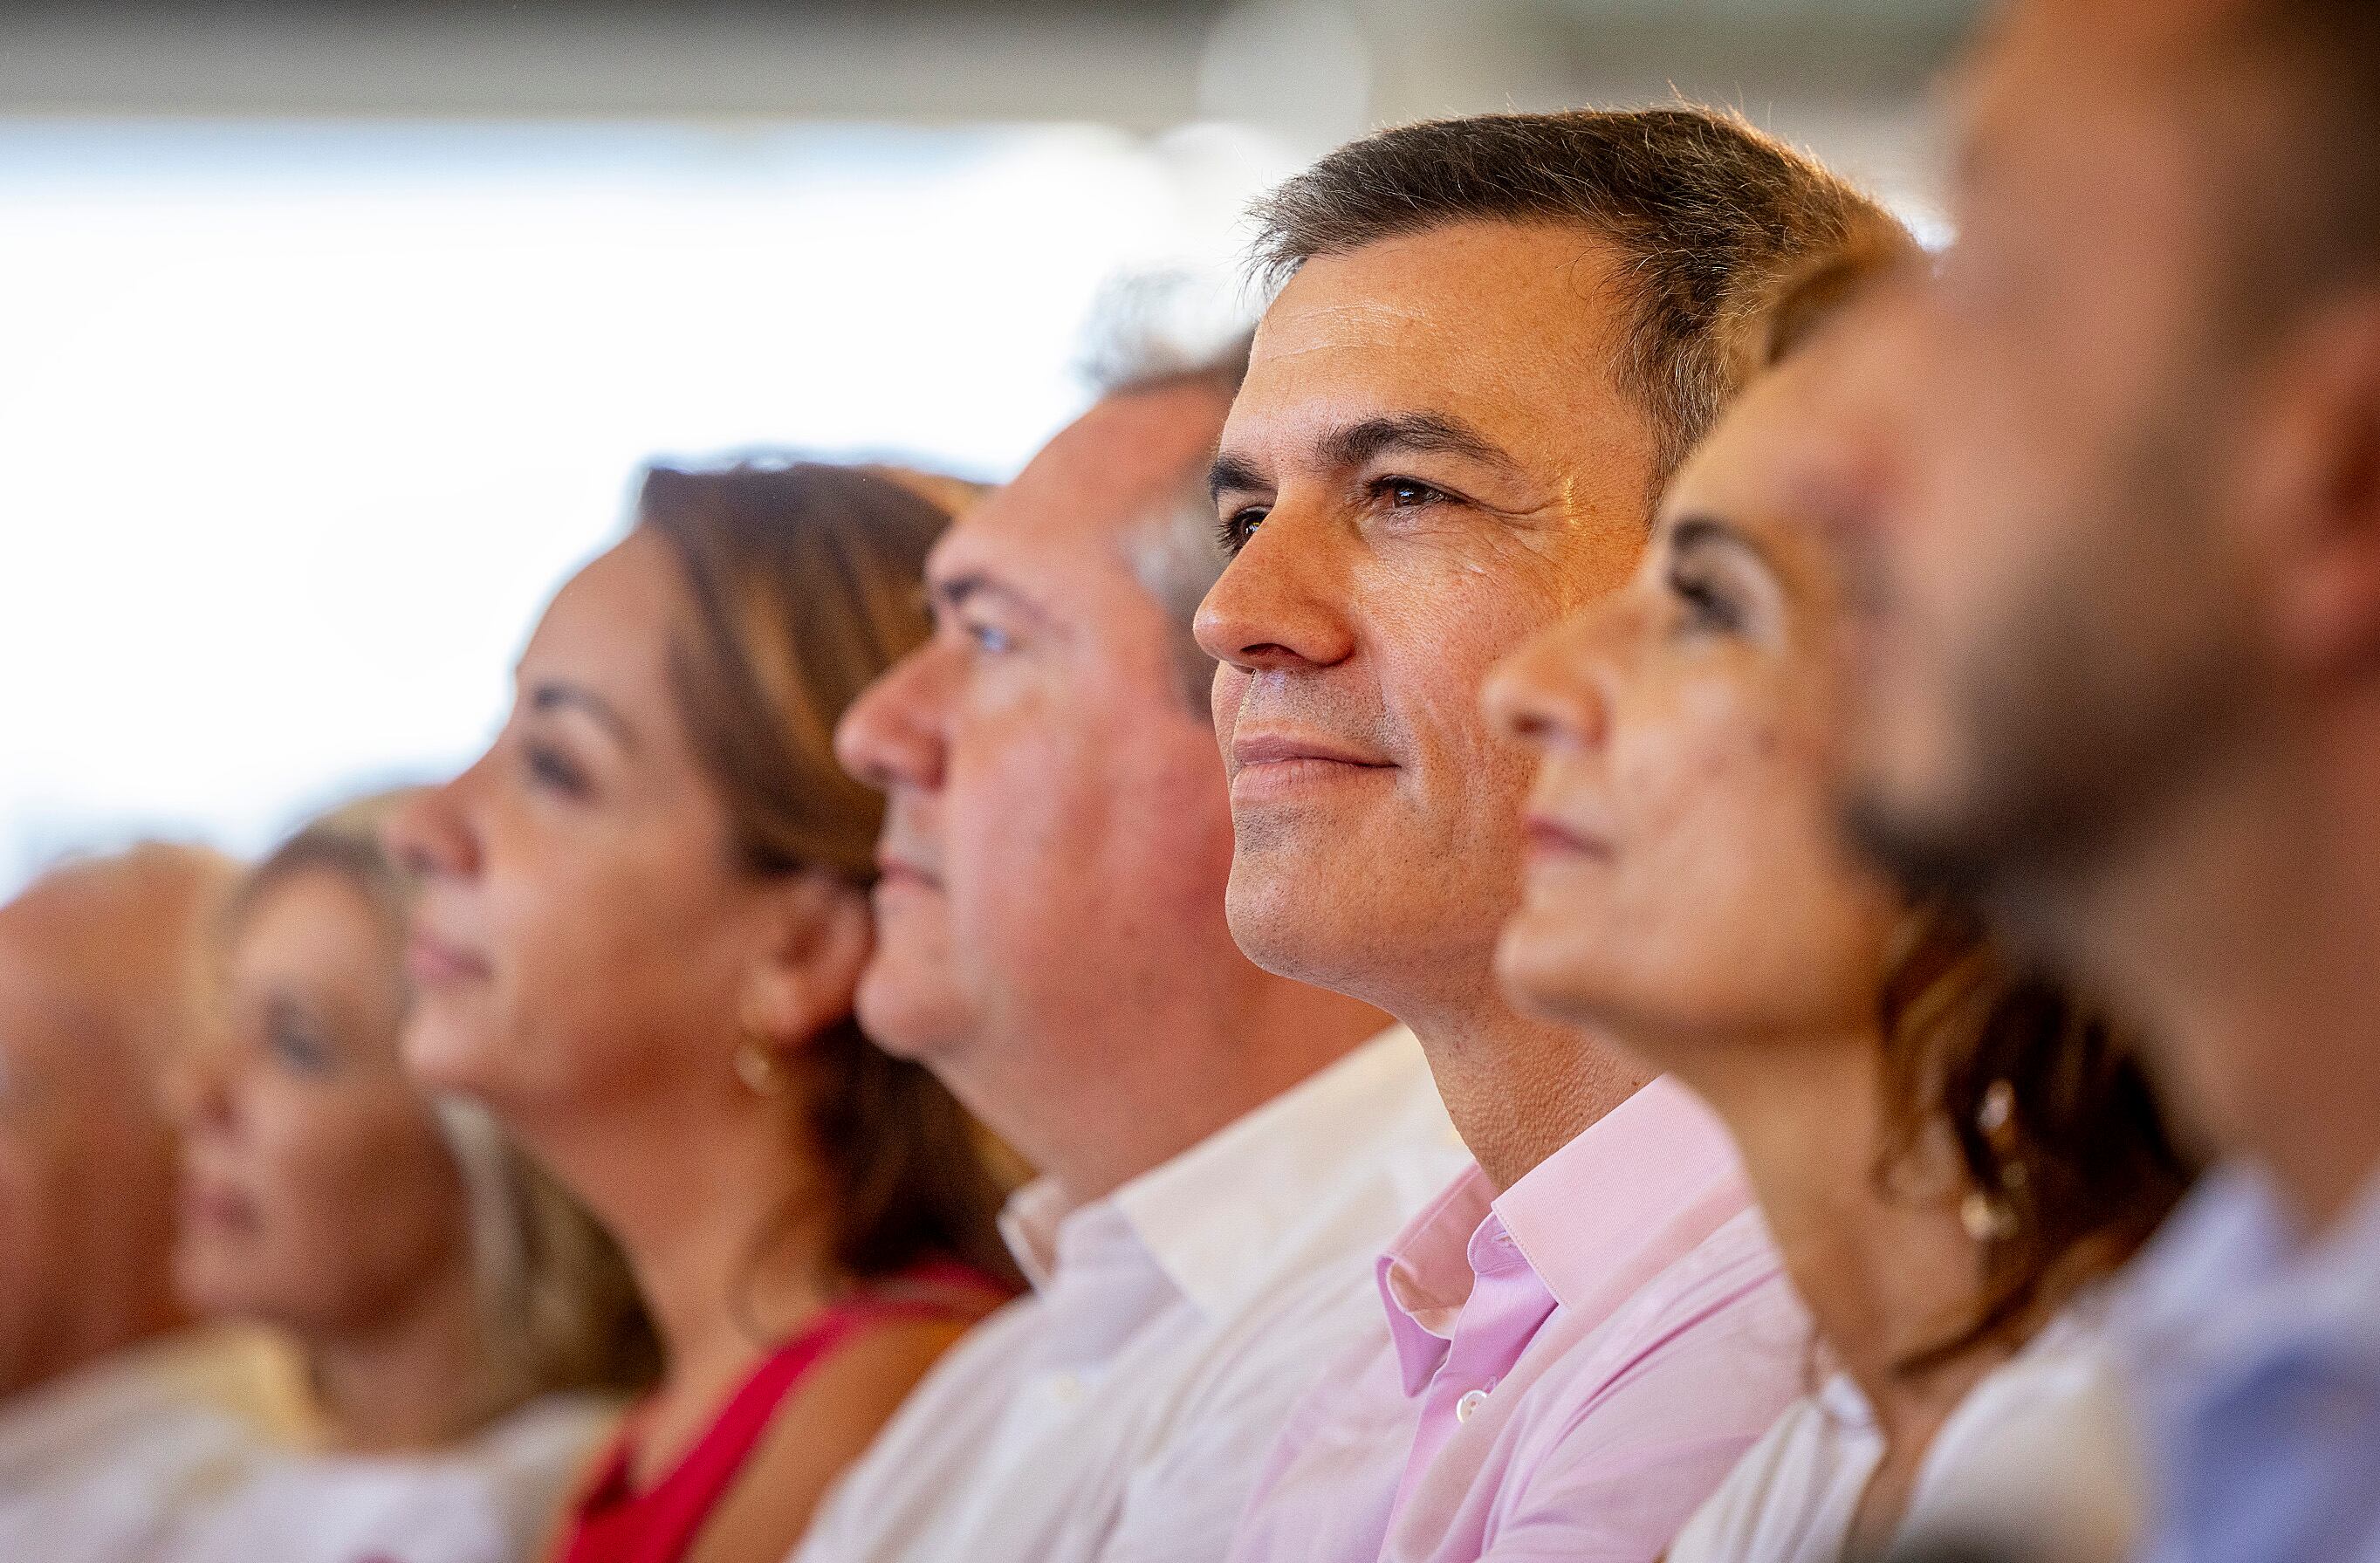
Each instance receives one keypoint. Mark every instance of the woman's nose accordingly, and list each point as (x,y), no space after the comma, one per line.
(1549,692)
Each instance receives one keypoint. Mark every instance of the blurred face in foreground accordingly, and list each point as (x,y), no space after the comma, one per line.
(2056,618)
(317,1193)
(1684,880)
(1430,462)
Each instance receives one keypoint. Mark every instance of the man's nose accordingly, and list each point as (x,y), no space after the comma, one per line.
(892,735)
(1282,600)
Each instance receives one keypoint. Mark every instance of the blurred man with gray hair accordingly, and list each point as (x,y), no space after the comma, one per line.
(109,1417)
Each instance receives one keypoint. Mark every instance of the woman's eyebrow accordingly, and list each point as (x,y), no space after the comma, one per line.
(1691,533)
(555,695)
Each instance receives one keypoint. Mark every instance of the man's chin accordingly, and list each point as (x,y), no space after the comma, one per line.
(909,1007)
(1292,924)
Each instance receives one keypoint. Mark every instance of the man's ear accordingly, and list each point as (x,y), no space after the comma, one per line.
(2317,482)
(816,935)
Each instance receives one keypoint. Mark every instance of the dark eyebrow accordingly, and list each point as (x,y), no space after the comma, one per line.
(1230,474)
(561,695)
(1432,433)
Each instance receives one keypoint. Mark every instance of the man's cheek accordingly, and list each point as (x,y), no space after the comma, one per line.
(1230,685)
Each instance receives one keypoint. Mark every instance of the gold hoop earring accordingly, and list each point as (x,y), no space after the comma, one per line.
(1993,1216)
(759,1067)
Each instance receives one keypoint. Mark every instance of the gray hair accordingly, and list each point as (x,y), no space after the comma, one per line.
(1138,345)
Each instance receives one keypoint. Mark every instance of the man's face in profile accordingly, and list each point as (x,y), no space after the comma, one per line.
(1430,460)
(2053,618)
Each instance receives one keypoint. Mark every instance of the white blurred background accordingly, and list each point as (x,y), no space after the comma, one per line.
(332,337)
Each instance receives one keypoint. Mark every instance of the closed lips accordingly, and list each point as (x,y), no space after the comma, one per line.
(1281,748)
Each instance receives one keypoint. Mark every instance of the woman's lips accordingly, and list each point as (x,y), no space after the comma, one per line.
(433,962)
(212,1207)
(1553,839)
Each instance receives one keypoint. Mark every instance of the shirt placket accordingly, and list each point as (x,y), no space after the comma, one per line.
(1506,1305)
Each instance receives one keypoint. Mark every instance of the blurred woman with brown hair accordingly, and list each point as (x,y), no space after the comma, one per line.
(645,920)
(1949,1151)
(466,1332)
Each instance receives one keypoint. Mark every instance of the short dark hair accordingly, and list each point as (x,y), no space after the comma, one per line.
(1703,208)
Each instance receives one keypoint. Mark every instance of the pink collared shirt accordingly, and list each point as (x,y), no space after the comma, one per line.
(1566,1371)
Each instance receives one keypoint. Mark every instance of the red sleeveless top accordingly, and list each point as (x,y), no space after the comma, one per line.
(612,1522)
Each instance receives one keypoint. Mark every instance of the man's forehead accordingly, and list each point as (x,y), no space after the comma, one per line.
(1455,281)
(1099,478)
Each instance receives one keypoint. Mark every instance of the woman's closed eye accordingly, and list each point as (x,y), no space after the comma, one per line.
(1723,582)
(297,1043)
(552,770)
(1710,607)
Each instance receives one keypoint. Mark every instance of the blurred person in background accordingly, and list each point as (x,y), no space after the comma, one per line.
(112,1415)
(457,1317)
(1220,1151)
(644,919)
(1494,338)
(1949,1153)
(2120,658)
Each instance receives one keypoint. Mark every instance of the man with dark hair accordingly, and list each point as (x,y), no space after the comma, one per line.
(2122,667)
(1493,340)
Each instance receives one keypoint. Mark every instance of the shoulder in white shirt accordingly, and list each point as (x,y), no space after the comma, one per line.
(97,1467)
(2038,1449)
(492,1500)
(1120,1412)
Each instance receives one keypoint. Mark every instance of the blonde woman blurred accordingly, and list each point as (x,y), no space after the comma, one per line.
(465,1331)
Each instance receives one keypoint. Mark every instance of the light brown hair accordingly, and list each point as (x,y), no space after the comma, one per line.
(807,582)
(1701,206)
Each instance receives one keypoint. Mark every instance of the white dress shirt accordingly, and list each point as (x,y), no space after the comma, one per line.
(96,1467)
(1119,1413)
(491,1499)
(2026,1458)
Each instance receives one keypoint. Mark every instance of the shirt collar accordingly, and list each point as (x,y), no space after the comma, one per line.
(1217,1217)
(1594,1221)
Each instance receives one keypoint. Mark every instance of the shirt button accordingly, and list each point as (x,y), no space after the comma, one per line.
(1066,1388)
(1470,1402)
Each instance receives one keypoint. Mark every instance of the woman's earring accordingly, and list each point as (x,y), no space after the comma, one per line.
(757,1066)
(1991,1217)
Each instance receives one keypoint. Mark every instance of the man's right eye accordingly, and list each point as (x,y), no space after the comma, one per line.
(1235,531)
(989,638)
